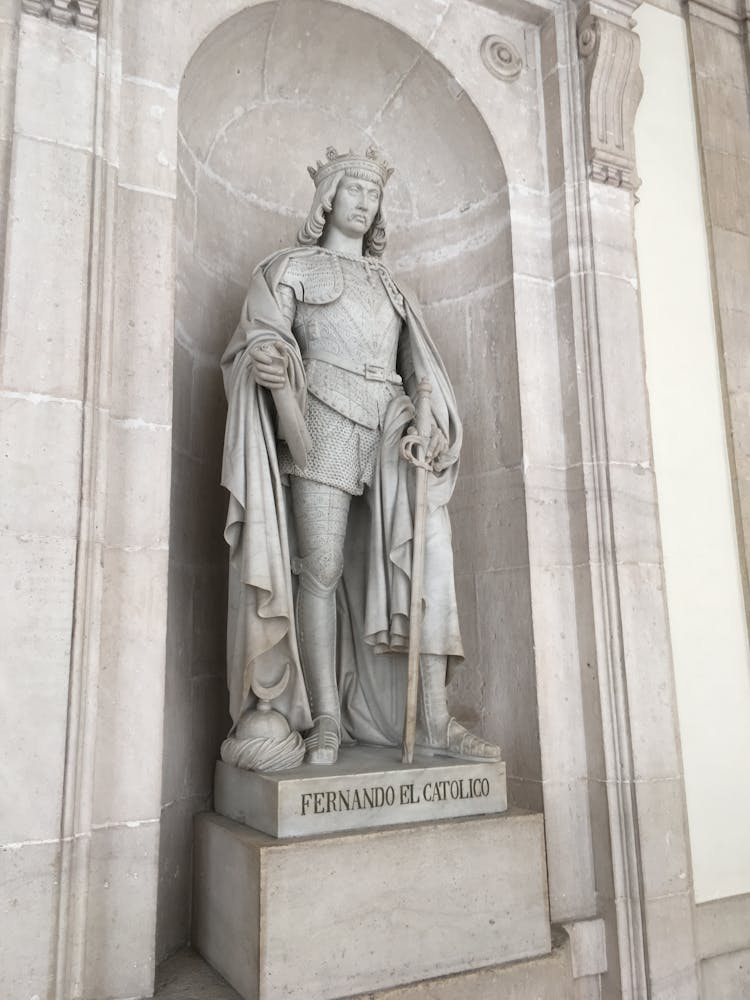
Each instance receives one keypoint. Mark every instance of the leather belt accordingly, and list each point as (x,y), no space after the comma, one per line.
(373,373)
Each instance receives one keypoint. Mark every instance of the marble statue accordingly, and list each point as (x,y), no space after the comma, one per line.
(320,376)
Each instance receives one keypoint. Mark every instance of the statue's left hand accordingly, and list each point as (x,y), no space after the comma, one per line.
(437,445)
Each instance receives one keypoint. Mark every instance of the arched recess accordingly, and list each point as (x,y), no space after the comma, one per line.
(262,97)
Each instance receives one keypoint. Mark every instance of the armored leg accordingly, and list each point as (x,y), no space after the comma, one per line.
(320,513)
(437,731)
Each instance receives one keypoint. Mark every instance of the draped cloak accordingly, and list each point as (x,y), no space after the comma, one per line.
(373,596)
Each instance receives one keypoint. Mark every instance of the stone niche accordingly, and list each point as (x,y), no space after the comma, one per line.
(261,99)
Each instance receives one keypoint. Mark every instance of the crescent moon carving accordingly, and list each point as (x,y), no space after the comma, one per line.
(268,693)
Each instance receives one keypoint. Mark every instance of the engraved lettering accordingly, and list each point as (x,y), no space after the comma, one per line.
(306,796)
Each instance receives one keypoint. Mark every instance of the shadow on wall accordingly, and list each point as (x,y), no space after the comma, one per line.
(261,99)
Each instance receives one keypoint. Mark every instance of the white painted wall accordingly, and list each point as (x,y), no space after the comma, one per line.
(709,636)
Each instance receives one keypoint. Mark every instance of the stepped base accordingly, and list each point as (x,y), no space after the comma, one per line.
(337,916)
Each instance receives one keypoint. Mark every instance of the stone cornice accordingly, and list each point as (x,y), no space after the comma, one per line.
(79,13)
(613,87)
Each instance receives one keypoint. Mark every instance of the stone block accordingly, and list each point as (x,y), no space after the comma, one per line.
(508,711)
(368,53)
(267,172)
(509,108)
(40,440)
(663,845)
(572,887)
(36,594)
(29,875)
(636,516)
(175,875)
(732,252)
(488,516)
(588,947)
(131,685)
(333,916)
(225,77)
(148,136)
(368,787)
(44,310)
(727,977)
(556,516)
(53,64)
(207,306)
(420,19)
(121,911)
(672,962)
(734,327)
(144,308)
(209,412)
(138,501)
(625,398)
(555,159)
(234,232)
(478,262)
(718,53)
(727,180)
(532,246)
(458,161)
(210,723)
(648,664)
(178,687)
(544,437)
(723,925)
(724,116)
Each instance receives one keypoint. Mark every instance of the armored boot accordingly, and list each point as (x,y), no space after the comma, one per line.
(316,624)
(438,733)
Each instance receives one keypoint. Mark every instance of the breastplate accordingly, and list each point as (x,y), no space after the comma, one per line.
(361,326)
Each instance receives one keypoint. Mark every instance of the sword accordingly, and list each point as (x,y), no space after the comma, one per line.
(414,447)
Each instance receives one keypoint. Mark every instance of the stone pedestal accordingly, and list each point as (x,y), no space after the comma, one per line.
(367,787)
(333,916)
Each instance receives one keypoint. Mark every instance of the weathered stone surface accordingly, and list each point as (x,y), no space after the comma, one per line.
(399,919)
(121,898)
(47,269)
(29,875)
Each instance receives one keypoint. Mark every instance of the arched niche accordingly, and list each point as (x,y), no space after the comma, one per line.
(262,97)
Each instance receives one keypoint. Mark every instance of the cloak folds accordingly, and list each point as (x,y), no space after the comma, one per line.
(373,596)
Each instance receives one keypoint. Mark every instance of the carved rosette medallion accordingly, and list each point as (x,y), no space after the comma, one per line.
(501,58)
(613,89)
(78,13)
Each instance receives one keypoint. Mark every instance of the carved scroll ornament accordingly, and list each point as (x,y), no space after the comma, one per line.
(79,13)
(613,90)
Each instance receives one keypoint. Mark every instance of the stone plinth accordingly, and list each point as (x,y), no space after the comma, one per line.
(368,787)
(338,915)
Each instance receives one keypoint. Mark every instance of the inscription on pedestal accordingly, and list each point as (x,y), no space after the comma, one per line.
(368,787)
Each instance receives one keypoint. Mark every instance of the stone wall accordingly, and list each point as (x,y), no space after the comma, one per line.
(503,112)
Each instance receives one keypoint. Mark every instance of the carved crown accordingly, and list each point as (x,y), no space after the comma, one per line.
(370,166)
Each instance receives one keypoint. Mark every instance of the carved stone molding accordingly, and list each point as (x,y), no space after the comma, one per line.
(613,89)
(501,58)
(80,13)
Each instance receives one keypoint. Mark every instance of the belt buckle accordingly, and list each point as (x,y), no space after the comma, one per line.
(375,373)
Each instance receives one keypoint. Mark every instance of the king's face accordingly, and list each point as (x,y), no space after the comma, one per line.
(355,206)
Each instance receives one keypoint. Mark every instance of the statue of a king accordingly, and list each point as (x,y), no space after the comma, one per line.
(320,377)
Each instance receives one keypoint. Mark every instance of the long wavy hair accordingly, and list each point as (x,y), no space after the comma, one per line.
(309,234)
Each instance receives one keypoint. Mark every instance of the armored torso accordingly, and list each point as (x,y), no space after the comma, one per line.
(346,314)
